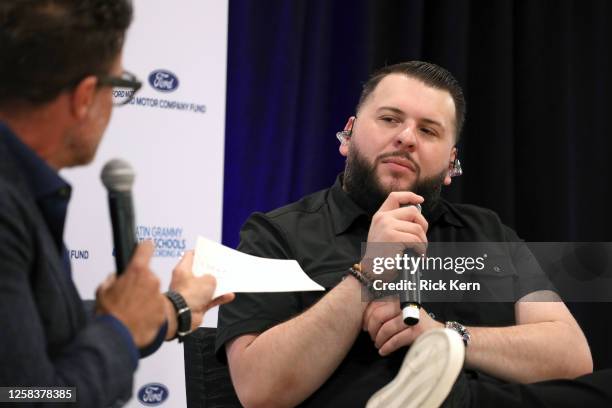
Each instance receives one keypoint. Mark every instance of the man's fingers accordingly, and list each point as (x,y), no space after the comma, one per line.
(186,262)
(398,198)
(206,285)
(389,329)
(210,281)
(406,240)
(372,308)
(371,324)
(104,286)
(409,228)
(401,339)
(142,257)
(374,324)
(108,282)
(221,300)
(380,317)
(144,249)
(410,214)
(367,315)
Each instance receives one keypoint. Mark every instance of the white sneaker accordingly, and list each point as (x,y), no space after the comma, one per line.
(427,374)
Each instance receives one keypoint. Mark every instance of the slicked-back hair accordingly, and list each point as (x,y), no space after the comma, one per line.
(48,46)
(428,73)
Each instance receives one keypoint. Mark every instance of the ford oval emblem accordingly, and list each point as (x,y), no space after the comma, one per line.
(153,394)
(163,81)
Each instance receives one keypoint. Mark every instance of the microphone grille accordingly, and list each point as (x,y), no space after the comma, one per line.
(117,175)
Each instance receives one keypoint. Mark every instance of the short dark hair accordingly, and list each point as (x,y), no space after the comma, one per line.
(428,73)
(48,46)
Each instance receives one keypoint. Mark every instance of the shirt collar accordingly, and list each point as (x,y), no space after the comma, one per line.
(40,177)
(345,211)
(444,212)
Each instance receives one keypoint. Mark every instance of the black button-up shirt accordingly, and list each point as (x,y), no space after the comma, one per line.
(324,233)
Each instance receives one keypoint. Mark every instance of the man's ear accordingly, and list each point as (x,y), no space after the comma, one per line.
(452,158)
(348,128)
(82,97)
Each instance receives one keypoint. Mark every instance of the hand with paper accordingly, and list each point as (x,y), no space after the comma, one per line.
(239,272)
(198,292)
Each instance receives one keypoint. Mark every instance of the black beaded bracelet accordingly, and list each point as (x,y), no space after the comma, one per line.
(355,271)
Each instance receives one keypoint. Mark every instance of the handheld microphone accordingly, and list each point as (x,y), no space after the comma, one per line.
(410,299)
(118,177)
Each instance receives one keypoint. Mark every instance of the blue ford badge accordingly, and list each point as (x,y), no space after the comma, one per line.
(153,394)
(163,81)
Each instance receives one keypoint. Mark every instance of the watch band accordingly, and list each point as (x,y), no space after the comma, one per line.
(183,314)
(462,330)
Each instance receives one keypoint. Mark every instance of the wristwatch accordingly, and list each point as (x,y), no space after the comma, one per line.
(462,330)
(183,314)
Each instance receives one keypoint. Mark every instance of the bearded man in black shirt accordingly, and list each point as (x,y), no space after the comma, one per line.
(339,348)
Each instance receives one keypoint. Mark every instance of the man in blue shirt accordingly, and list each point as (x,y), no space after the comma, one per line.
(59,62)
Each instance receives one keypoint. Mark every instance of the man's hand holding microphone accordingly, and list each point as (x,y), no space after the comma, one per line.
(399,220)
(134,296)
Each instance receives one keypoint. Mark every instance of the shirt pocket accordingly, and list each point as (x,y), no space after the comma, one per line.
(497,281)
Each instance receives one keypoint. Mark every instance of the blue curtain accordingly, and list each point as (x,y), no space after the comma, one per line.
(294,73)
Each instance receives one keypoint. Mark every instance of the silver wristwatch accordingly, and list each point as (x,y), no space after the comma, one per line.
(462,330)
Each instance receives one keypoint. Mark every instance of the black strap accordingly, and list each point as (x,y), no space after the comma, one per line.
(183,314)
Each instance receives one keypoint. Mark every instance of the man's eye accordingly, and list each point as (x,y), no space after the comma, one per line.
(389,119)
(428,131)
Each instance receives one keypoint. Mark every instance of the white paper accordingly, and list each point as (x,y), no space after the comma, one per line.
(239,272)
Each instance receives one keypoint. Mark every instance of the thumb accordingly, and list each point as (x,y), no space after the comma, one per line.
(221,300)
(141,257)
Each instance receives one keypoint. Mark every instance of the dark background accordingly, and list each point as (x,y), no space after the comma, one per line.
(536,75)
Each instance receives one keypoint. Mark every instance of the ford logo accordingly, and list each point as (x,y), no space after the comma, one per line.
(153,394)
(163,81)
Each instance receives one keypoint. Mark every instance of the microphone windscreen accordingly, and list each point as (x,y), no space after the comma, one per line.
(118,175)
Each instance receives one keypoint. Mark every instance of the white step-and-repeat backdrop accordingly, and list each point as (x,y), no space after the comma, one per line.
(173,135)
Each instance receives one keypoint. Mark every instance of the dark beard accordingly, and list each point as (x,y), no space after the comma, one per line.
(363,187)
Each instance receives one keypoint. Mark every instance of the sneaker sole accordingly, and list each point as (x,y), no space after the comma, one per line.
(427,374)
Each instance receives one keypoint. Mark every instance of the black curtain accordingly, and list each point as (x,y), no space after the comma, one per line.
(537,78)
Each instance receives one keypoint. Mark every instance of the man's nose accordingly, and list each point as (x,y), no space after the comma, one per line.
(406,138)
